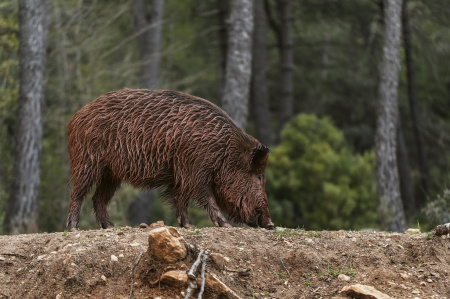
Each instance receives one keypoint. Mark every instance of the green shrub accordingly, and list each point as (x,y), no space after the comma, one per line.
(314,179)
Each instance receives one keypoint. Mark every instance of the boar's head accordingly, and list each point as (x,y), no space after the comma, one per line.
(240,187)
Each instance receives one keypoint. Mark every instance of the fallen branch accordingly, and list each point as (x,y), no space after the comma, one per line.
(285,268)
(132,276)
(441,230)
(191,273)
(191,276)
(202,289)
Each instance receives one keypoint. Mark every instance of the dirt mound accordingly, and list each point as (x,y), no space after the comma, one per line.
(283,263)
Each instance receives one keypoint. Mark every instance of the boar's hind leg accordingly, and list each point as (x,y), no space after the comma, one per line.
(215,215)
(106,187)
(79,192)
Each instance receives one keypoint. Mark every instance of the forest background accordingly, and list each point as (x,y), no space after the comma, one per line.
(320,72)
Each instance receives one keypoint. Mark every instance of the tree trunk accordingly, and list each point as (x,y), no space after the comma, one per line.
(404,170)
(286,62)
(223,7)
(149,40)
(235,93)
(259,94)
(412,97)
(34,21)
(391,212)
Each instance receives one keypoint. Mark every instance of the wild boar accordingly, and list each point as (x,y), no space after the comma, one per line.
(185,145)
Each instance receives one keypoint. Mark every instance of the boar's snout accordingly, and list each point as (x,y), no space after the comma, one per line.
(265,221)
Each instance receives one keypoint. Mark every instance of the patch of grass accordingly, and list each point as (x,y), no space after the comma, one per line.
(332,273)
(307,283)
(65,232)
(315,234)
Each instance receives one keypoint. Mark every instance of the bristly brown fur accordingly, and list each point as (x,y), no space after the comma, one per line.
(159,138)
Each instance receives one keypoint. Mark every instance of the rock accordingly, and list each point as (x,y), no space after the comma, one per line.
(114,258)
(121,255)
(156,224)
(343,277)
(103,277)
(214,288)
(219,260)
(175,278)
(143,225)
(404,275)
(364,292)
(412,231)
(166,244)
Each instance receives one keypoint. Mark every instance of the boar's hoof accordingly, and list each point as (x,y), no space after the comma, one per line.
(270,227)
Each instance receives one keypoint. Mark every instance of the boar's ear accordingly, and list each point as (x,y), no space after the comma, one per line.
(258,159)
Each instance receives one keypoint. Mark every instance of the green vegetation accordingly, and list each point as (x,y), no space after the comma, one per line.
(314,179)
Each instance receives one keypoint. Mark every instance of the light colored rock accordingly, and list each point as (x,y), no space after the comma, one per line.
(364,292)
(103,277)
(114,258)
(166,244)
(404,275)
(217,289)
(219,260)
(343,277)
(156,224)
(412,231)
(175,278)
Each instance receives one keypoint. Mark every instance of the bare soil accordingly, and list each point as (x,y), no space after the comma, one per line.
(283,263)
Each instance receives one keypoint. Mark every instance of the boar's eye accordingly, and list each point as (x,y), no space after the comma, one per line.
(260,178)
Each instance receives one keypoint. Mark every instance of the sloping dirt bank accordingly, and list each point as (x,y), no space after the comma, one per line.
(283,263)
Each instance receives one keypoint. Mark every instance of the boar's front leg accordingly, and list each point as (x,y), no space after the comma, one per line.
(214,214)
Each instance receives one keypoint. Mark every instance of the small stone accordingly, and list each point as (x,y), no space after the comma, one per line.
(219,260)
(67,259)
(412,231)
(364,291)
(121,255)
(404,275)
(2,258)
(434,274)
(309,240)
(73,264)
(343,277)
(135,244)
(103,277)
(156,224)
(280,229)
(423,283)
(114,258)
(429,280)
(41,257)
(416,292)
(143,225)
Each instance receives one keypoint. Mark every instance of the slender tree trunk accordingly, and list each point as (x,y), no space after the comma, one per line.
(149,40)
(149,31)
(259,94)
(286,62)
(412,97)
(391,212)
(404,171)
(223,7)
(236,89)
(34,21)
